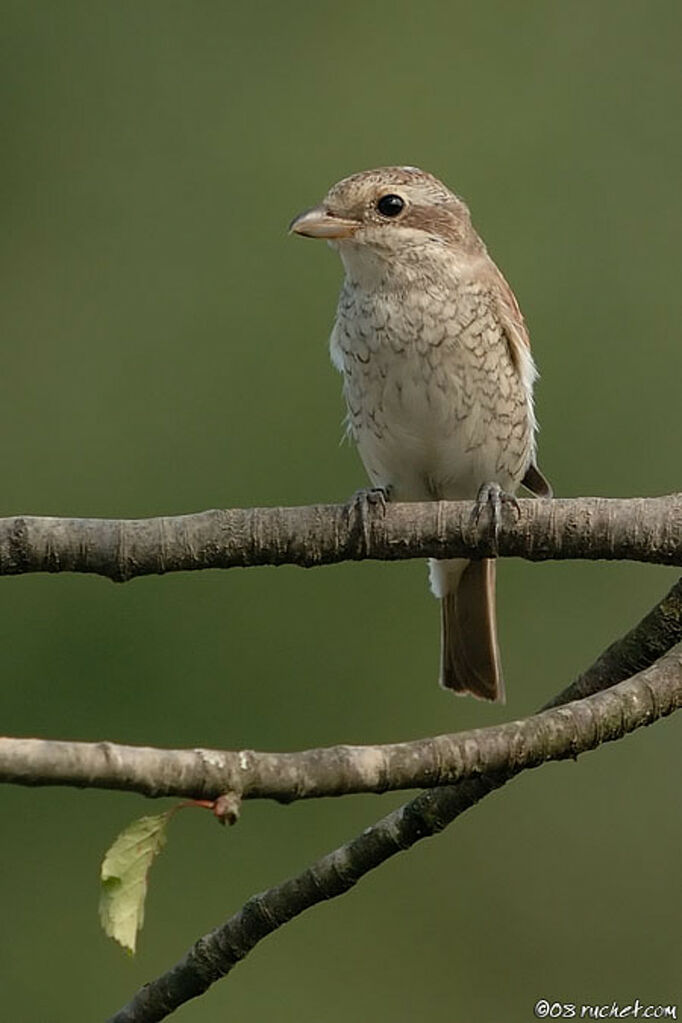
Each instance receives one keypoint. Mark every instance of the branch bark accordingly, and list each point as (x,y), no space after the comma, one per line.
(640,529)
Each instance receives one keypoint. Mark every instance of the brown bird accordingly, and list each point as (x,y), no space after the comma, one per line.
(438,378)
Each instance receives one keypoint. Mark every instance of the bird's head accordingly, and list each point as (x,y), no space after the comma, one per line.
(392,214)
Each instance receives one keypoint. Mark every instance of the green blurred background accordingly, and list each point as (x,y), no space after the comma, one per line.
(165,352)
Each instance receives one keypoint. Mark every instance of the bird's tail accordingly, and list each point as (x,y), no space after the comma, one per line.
(470,656)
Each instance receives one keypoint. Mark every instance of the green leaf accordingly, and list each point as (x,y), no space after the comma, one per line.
(124,878)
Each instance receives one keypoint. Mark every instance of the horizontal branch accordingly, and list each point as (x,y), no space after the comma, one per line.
(638,529)
(554,734)
(336,770)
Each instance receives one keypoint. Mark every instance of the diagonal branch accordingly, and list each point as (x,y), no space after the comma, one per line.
(657,632)
(214,955)
(640,529)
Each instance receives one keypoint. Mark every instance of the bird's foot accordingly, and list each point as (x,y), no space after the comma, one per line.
(370,497)
(493,498)
(363,504)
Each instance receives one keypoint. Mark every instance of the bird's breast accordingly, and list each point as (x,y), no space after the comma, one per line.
(431,391)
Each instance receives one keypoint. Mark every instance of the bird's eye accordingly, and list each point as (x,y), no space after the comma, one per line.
(390,205)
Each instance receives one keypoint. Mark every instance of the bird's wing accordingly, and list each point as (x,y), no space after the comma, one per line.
(516,332)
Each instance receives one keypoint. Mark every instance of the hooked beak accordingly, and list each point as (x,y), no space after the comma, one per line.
(320,223)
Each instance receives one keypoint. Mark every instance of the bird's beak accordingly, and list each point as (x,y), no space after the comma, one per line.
(320,223)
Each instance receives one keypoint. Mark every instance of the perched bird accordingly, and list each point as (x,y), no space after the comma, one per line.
(438,378)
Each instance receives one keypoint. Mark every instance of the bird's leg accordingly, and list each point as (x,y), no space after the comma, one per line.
(491,496)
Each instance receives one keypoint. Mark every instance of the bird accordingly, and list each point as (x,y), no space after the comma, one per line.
(438,379)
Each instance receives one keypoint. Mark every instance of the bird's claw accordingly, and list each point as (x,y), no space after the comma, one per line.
(370,497)
(493,498)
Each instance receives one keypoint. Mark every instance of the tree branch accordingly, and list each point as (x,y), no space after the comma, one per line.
(657,632)
(648,530)
(640,529)
(214,955)
(440,760)
(338,770)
